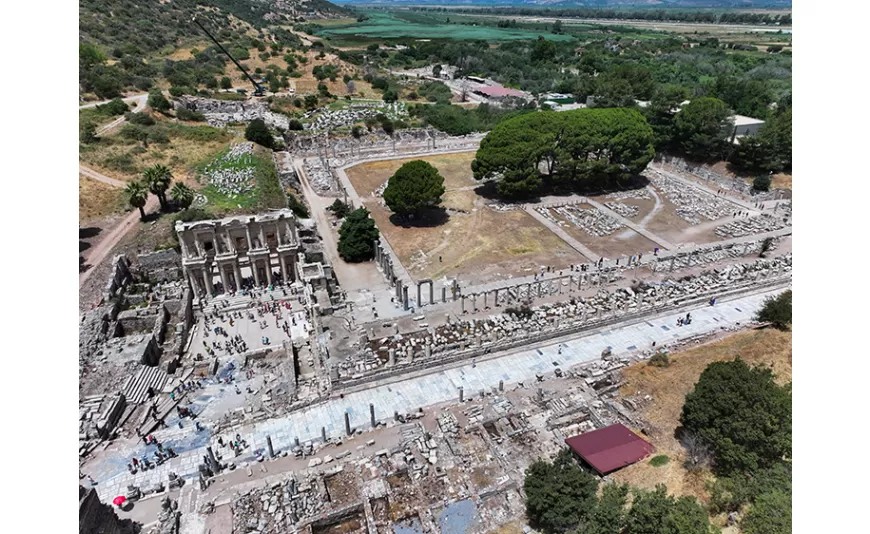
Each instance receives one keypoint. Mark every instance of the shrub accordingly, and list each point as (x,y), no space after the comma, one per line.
(142,119)
(114,107)
(295,124)
(298,208)
(761,182)
(185,114)
(776,311)
(339,209)
(660,460)
(157,101)
(121,163)
(659,359)
(87,132)
(257,132)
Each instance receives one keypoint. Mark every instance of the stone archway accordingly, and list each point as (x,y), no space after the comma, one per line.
(420,293)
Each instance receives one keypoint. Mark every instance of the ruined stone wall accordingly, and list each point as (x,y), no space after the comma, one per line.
(109,418)
(311,141)
(118,278)
(219,113)
(98,518)
(95,328)
(161,266)
(137,321)
(559,326)
(160,323)
(709,174)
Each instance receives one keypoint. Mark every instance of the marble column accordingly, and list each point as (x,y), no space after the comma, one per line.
(431,293)
(223,273)
(268,263)
(419,299)
(238,273)
(207,274)
(193,283)
(278,233)
(286,274)
(255,273)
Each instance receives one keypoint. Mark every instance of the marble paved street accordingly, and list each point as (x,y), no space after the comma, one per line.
(408,395)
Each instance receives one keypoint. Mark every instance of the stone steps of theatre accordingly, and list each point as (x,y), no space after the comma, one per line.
(136,387)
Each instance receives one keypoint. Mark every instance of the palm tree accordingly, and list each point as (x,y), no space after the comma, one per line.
(137,195)
(182,195)
(158,178)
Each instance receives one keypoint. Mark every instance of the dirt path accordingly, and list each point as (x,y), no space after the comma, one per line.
(352,276)
(656,209)
(94,175)
(96,254)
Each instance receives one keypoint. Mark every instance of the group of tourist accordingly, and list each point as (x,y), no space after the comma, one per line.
(161,455)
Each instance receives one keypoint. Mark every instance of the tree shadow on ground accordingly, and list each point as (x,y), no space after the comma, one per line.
(489,190)
(89,232)
(151,217)
(83,246)
(634,183)
(428,218)
(83,265)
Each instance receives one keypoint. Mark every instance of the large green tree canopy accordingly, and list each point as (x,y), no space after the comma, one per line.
(703,128)
(559,494)
(357,235)
(742,414)
(577,147)
(656,512)
(415,186)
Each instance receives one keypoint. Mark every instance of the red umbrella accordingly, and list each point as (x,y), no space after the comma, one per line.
(119,500)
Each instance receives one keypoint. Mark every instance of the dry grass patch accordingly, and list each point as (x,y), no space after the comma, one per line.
(781,181)
(97,200)
(125,160)
(455,168)
(668,387)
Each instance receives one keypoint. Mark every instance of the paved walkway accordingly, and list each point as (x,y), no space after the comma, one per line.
(408,395)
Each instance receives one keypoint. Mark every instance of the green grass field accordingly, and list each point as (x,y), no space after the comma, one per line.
(266,193)
(388,25)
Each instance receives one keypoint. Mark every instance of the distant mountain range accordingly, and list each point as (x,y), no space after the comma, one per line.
(687,4)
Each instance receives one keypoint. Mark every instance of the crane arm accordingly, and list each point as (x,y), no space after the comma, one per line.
(258,89)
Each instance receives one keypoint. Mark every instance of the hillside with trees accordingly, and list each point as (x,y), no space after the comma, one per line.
(126,45)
